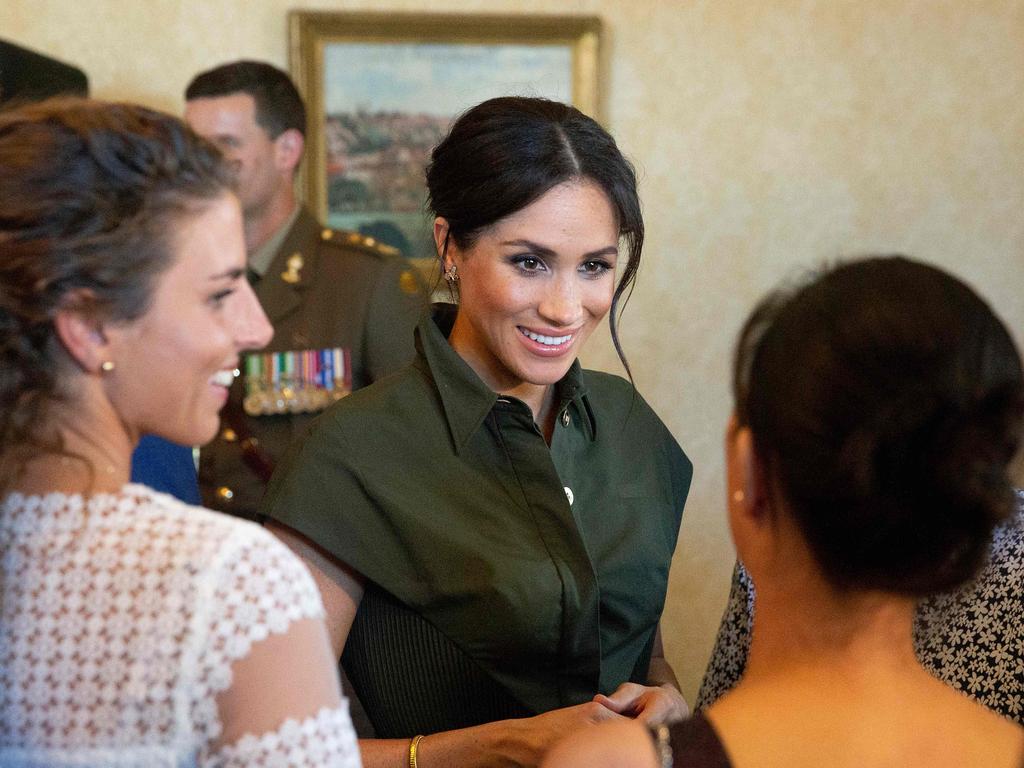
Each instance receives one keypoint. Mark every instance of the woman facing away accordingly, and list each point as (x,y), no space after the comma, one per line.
(492,527)
(136,630)
(969,637)
(876,411)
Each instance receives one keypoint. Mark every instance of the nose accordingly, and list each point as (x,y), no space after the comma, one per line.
(253,329)
(561,304)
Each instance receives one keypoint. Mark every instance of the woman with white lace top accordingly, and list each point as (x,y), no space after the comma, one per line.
(135,630)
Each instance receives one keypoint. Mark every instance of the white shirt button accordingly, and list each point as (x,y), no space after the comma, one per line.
(568,494)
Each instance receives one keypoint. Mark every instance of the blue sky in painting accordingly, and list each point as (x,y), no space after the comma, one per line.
(440,79)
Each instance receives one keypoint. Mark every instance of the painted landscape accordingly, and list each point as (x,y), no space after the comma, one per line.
(388,104)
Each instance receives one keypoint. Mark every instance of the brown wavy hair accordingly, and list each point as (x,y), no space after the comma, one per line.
(89,196)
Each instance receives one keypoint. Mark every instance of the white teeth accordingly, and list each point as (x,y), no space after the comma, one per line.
(551,341)
(224,378)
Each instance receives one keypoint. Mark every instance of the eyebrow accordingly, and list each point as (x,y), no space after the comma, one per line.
(232,274)
(542,250)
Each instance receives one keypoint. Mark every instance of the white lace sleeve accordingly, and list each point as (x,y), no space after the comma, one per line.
(268,692)
(324,740)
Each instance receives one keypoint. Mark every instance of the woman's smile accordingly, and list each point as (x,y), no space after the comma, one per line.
(547,343)
(533,287)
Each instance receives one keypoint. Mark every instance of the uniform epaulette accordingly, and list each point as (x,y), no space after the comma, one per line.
(358,240)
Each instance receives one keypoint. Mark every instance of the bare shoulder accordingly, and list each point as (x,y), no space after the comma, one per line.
(620,743)
(985,737)
(923,725)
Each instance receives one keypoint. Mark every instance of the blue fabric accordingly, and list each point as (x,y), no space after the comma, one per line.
(165,466)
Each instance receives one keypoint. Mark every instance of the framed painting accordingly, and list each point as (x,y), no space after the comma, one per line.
(382,90)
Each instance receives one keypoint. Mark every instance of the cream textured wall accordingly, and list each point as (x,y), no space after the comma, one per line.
(770,135)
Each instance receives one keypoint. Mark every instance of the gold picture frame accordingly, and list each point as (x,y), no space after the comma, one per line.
(380,87)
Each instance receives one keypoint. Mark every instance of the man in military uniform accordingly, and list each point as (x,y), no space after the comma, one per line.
(342,305)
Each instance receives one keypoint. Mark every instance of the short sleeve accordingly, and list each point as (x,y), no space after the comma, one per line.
(258,588)
(320,493)
(327,739)
(398,302)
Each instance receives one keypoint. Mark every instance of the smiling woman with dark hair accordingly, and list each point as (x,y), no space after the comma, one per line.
(876,410)
(492,527)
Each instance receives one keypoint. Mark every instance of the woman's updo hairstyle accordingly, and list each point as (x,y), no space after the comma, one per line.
(885,400)
(89,198)
(505,153)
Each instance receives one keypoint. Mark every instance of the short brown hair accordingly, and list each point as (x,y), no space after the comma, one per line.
(279,107)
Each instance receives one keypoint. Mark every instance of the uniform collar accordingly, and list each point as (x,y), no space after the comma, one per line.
(464,396)
(261,258)
(279,297)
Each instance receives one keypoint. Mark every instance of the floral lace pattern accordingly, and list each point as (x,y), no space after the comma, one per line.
(121,617)
(973,638)
(314,742)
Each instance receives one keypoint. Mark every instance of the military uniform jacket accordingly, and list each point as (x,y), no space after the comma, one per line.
(324,289)
(539,569)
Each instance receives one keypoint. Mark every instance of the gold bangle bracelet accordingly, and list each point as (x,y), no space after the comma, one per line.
(413,747)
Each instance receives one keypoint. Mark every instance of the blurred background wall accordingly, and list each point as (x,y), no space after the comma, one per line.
(770,135)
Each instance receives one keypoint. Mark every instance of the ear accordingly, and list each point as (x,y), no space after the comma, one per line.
(82,333)
(441,241)
(288,149)
(750,518)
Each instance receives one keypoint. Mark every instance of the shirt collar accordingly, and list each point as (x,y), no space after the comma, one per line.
(260,259)
(464,396)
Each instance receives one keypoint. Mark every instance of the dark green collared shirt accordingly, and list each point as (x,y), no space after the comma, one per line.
(547,565)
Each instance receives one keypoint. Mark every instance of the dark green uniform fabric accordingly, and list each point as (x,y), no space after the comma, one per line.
(349,293)
(447,497)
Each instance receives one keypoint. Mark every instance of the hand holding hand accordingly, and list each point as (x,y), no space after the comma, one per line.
(536,735)
(652,705)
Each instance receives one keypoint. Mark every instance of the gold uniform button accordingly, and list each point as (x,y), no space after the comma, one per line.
(228,435)
(566,418)
(327,234)
(293,274)
(225,494)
